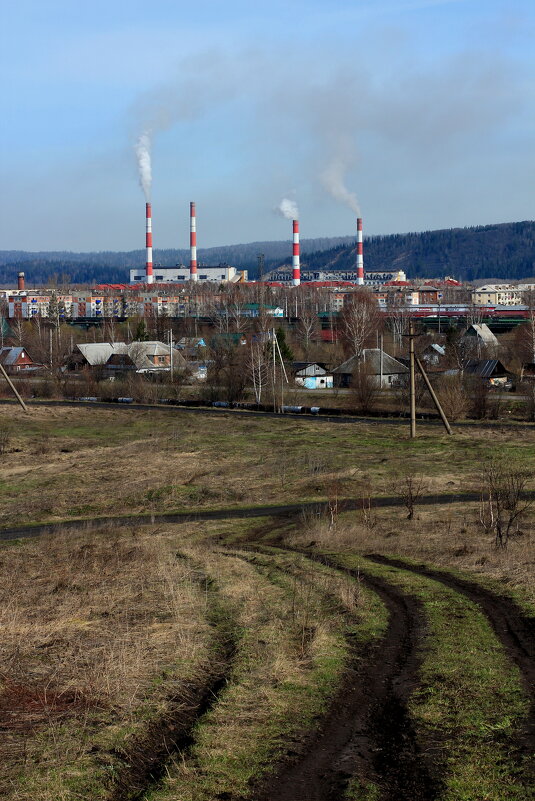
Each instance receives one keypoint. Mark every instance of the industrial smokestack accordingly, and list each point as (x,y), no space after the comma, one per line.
(296,274)
(20,281)
(192,243)
(360,255)
(148,244)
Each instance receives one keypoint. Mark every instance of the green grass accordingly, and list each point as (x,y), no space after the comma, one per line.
(471,699)
(499,588)
(233,459)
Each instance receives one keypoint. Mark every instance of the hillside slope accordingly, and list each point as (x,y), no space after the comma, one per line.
(504,251)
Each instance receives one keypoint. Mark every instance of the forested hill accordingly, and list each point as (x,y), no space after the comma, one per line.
(503,251)
(114,266)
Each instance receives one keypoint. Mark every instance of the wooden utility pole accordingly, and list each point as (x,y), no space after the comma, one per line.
(412,380)
(12,385)
(434,398)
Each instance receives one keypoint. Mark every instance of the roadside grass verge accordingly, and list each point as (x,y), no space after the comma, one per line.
(470,702)
(290,662)
(98,631)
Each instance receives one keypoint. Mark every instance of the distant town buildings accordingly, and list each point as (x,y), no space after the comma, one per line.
(210,297)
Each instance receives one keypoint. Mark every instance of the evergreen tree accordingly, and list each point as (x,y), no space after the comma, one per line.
(141,334)
(286,352)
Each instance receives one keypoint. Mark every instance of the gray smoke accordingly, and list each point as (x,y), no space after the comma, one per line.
(142,150)
(333,179)
(288,208)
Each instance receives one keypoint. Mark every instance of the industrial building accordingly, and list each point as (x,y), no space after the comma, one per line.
(222,273)
(371,278)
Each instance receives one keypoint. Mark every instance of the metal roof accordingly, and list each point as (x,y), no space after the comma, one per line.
(371,357)
(481,331)
(484,368)
(97,353)
(9,355)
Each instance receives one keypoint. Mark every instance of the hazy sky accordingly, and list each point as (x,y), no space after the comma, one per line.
(424,108)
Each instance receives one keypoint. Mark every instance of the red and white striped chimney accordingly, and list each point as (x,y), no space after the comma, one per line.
(360,254)
(148,244)
(296,274)
(192,243)
(20,281)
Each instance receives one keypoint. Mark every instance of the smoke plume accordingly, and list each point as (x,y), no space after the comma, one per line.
(333,179)
(142,149)
(288,209)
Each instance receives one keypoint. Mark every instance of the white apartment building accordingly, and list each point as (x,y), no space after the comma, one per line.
(497,295)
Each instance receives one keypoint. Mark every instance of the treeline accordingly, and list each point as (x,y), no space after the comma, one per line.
(113,267)
(503,251)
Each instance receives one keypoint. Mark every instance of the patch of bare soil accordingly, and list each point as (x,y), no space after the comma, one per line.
(368,733)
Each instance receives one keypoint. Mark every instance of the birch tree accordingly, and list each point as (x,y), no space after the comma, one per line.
(359,320)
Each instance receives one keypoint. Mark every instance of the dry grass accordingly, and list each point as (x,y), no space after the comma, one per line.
(450,537)
(277,685)
(90,624)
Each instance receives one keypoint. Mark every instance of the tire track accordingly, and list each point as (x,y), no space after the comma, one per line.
(368,732)
(142,763)
(514,630)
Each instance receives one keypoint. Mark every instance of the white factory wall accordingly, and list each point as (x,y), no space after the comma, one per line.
(171,275)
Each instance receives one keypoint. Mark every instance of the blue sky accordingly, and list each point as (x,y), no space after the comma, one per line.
(424,108)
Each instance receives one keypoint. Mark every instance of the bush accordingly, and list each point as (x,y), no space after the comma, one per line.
(452,396)
(528,389)
(5,438)
(364,388)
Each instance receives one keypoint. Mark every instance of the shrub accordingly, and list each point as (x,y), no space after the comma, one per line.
(5,437)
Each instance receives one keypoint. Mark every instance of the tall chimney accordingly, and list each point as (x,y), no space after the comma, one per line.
(296,275)
(20,281)
(148,243)
(192,242)
(360,256)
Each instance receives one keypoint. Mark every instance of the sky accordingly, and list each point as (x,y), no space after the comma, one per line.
(420,113)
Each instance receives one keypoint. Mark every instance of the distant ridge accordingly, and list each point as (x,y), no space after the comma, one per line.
(503,251)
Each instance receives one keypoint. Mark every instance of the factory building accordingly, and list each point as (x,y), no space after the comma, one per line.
(371,277)
(222,274)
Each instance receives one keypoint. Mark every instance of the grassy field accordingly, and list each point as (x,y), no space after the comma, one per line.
(70,462)
(112,640)
(106,636)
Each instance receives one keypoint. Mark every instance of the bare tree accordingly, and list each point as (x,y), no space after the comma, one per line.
(410,489)
(503,502)
(359,319)
(528,331)
(364,387)
(258,365)
(452,396)
(398,322)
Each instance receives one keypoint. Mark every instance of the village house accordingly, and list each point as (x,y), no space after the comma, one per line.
(384,371)
(312,375)
(141,357)
(14,359)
